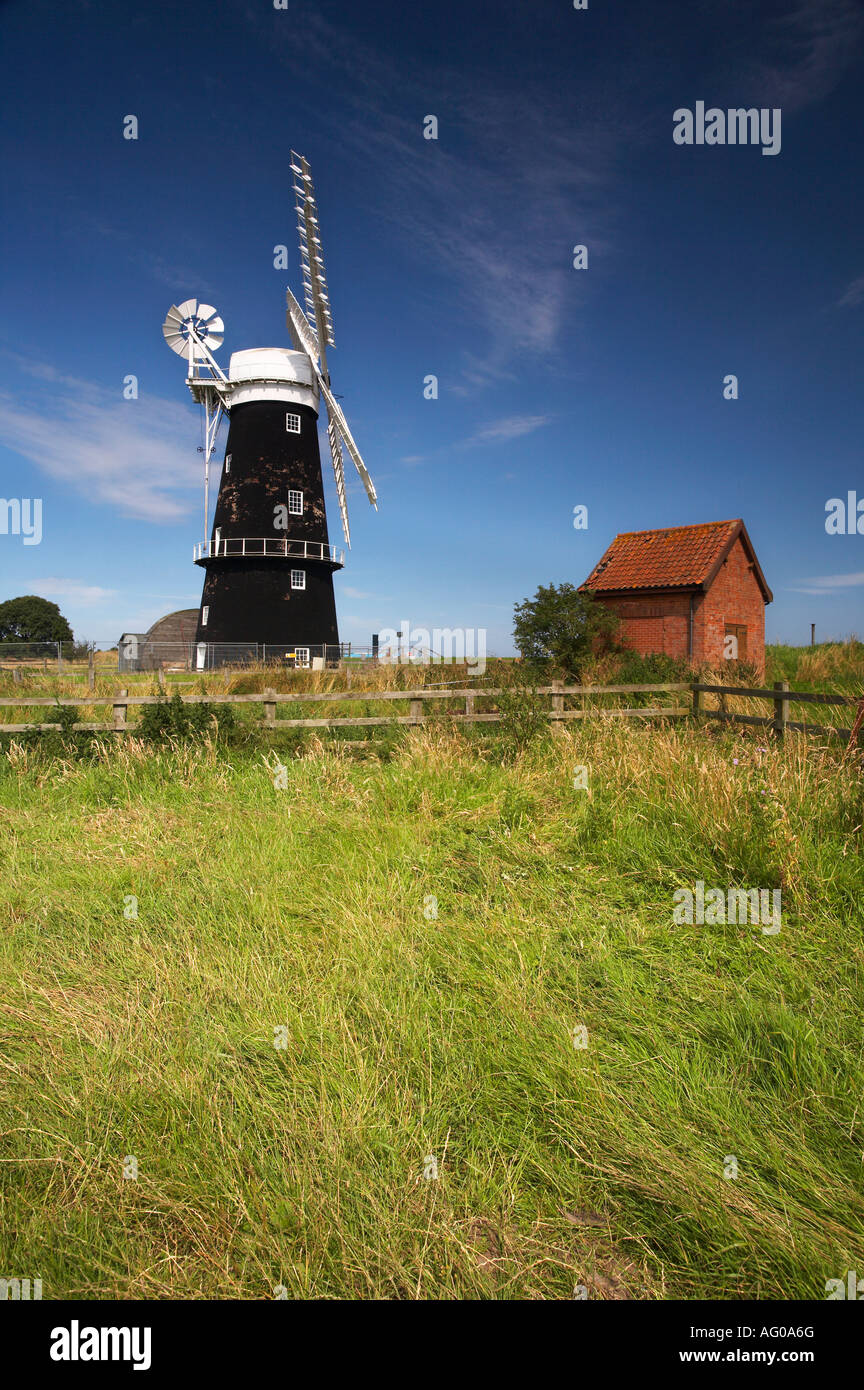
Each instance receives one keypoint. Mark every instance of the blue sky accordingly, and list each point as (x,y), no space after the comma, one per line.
(452,257)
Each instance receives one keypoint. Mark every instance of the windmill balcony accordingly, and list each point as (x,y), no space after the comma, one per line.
(269,547)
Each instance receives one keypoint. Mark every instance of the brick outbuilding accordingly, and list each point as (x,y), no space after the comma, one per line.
(684,590)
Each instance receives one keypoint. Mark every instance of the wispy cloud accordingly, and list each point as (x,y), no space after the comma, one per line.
(74,589)
(828,583)
(484,205)
(135,456)
(853,294)
(501,431)
(815,46)
(182,278)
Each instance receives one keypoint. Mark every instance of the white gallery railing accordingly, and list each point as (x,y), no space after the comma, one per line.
(231,547)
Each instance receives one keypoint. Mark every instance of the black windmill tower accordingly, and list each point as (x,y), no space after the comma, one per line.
(269,564)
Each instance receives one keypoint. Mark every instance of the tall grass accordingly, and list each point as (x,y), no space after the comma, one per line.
(428,931)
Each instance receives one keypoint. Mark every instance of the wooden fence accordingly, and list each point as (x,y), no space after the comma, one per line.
(782,697)
(779,722)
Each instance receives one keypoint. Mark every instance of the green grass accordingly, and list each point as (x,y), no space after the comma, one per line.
(836,667)
(408,1035)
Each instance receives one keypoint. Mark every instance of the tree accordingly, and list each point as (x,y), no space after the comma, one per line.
(560,627)
(32,619)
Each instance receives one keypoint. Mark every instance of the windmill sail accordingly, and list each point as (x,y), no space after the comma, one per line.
(307,337)
(334,411)
(311,254)
(339,474)
(313,329)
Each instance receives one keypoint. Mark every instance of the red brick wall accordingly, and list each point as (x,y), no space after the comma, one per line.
(653,623)
(734,597)
(659,623)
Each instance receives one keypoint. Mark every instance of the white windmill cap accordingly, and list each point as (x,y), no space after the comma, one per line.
(271,364)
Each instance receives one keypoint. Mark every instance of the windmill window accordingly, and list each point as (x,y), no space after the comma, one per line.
(227,463)
(292,423)
(295,503)
(205,614)
(298,579)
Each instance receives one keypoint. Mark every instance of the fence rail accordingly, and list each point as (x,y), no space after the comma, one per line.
(781,696)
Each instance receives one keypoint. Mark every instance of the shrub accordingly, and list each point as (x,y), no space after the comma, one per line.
(175,719)
(560,628)
(524,713)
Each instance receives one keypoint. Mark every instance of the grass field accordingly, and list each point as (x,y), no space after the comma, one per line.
(286,1034)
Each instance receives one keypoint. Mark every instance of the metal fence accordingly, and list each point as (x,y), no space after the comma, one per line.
(137,654)
(45,656)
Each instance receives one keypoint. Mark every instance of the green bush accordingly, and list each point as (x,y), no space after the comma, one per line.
(638,669)
(524,714)
(174,719)
(560,629)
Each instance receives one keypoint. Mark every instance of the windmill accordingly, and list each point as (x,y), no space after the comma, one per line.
(269,563)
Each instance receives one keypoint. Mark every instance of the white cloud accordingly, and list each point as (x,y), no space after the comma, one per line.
(827,583)
(138,457)
(74,589)
(512,427)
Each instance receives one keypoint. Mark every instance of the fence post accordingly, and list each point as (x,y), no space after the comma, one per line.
(120,710)
(557,707)
(781,710)
(697,701)
(417,711)
(469,706)
(59,658)
(16,675)
(160,675)
(269,707)
(91,673)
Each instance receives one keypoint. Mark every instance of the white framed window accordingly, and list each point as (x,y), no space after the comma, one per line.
(292,423)
(295,503)
(228,463)
(301,656)
(298,579)
(205,614)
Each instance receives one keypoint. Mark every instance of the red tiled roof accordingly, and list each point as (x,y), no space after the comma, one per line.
(679,557)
